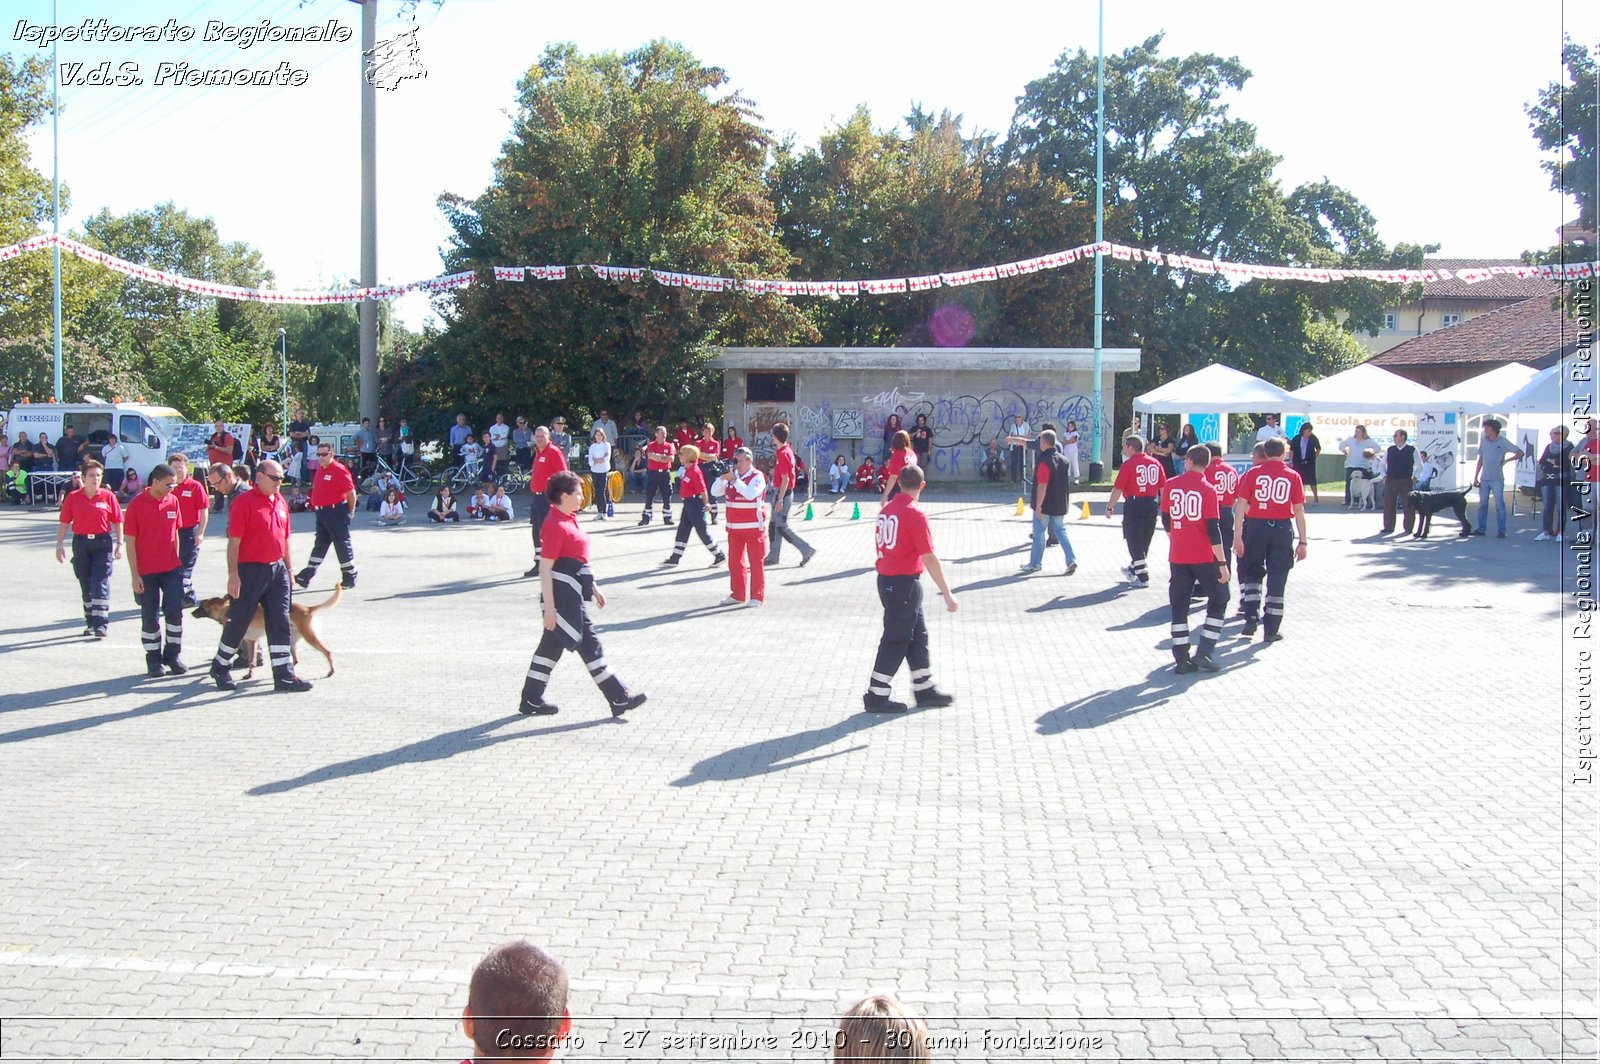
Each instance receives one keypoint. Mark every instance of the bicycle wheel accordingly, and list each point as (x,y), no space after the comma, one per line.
(414,480)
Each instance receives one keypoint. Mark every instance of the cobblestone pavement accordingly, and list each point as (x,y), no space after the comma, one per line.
(1347,845)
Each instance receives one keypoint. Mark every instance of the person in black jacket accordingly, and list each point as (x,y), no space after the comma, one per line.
(1303,451)
(1555,484)
(1400,464)
(1052,487)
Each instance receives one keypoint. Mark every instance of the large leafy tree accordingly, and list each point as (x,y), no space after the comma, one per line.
(642,159)
(27,371)
(1566,122)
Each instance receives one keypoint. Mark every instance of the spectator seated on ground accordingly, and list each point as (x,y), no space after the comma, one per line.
(517,1004)
(444,508)
(866,476)
(994,462)
(879,1028)
(131,486)
(498,506)
(16,483)
(478,503)
(381,487)
(801,477)
(393,511)
(295,496)
(839,475)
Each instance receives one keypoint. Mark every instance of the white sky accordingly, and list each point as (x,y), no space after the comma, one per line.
(1415,106)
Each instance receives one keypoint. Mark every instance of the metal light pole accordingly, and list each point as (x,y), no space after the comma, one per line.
(369,214)
(283,360)
(1096,465)
(55,162)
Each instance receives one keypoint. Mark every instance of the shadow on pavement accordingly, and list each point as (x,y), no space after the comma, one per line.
(454,588)
(1106,707)
(435,748)
(1450,561)
(774,755)
(847,574)
(1093,598)
(603,626)
(1156,615)
(1001,553)
(176,700)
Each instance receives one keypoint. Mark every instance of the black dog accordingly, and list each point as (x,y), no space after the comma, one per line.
(1428,503)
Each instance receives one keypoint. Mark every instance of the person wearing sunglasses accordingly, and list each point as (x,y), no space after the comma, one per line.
(333,499)
(566,585)
(258,575)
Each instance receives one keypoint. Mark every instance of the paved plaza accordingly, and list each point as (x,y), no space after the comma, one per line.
(1347,845)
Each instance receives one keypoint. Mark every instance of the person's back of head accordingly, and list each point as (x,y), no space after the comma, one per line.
(877,1028)
(1273,448)
(517,1003)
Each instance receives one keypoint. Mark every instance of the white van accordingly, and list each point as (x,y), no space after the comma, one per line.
(144,434)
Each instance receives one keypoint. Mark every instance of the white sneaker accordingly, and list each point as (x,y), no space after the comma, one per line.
(755,602)
(1541,537)
(1559,538)
(730,601)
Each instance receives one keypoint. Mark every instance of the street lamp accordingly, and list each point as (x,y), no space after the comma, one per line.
(283,357)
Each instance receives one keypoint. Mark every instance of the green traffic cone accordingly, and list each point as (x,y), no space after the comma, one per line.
(855,515)
(808,511)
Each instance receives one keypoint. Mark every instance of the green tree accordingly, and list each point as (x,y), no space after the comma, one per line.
(641,159)
(1566,122)
(27,370)
(198,368)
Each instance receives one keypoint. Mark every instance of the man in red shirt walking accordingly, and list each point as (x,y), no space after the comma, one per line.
(783,482)
(905,549)
(658,455)
(1270,495)
(258,576)
(194,514)
(547,462)
(1140,480)
(151,529)
(95,517)
(1192,516)
(333,498)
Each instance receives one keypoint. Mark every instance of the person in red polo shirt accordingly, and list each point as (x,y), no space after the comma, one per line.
(1192,515)
(1270,495)
(1140,480)
(732,441)
(547,462)
(95,517)
(1225,479)
(194,514)
(258,576)
(333,499)
(151,529)
(711,465)
(658,455)
(783,484)
(220,445)
(685,436)
(905,548)
(692,494)
(566,584)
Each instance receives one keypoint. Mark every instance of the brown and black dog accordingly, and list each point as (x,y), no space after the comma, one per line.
(302,625)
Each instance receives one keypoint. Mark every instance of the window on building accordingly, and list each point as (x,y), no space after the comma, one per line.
(769,387)
(1451,319)
(1391,322)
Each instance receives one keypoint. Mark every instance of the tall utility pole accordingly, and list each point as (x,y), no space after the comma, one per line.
(1099,235)
(55,162)
(369,213)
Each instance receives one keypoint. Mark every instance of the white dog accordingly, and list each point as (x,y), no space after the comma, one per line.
(1365,493)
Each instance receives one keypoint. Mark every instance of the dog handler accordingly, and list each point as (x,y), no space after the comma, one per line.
(151,527)
(1140,480)
(566,584)
(258,575)
(95,517)
(905,548)
(1192,516)
(1269,495)
(333,497)
(194,513)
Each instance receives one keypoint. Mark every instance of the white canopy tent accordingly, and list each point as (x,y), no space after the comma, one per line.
(1490,390)
(1367,389)
(1215,388)
(1543,393)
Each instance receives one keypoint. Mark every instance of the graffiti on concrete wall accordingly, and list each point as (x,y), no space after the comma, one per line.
(758,428)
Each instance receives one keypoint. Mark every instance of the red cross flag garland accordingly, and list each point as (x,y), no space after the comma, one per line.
(1237,271)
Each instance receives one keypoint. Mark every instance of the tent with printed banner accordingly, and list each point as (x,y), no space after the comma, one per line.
(1491,390)
(1217,387)
(1369,389)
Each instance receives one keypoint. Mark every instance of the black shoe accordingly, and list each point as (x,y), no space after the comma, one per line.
(713,518)
(806,558)
(1207,662)
(190,602)
(176,667)
(645,520)
(933,698)
(302,579)
(223,679)
(1499,535)
(348,583)
(100,632)
(1272,637)
(1477,532)
(154,670)
(537,708)
(1249,628)
(666,520)
(882,704)
(1184,667)
(294,685)
(631,702)
(89,631)
(768,563)
(531,573)
(671,561)
(718,559)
